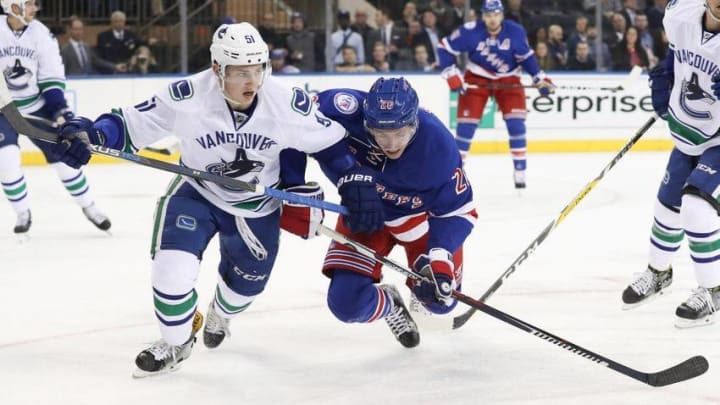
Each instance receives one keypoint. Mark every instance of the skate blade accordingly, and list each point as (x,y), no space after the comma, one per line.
(627,307)
(682,323)
(139,373)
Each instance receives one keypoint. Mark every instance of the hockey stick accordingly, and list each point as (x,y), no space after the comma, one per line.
(690,368)
(22,126)
(461,319)
(634,75)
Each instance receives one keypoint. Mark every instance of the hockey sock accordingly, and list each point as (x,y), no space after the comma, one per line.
(352,297)
(702,227)
(174,273)
(229,303)
(465,133)
(12,178)
(75,183)
(518,143)
(666,236)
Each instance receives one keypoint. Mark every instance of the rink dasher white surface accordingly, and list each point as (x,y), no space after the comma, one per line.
(76,305)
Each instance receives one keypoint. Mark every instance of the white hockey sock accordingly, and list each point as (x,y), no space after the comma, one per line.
(75,183)
(666,236)
(227,302)
(174,274)
(12,178)
(702,226)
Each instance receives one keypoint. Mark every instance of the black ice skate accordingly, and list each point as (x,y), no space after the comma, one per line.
(699,309)
(22,225)
(649,284)
(399,320)
(216,328)
(161,358)
(519,178)
(100,220)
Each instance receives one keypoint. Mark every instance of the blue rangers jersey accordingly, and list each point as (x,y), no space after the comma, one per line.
(490,56)
(427,179)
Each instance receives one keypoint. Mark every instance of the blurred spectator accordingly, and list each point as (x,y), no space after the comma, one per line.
(268,32)
(629,52)
(617,33)
(350,62)
(545,61)
(605,49)
(540,36)
(579,35)
(390,34)
(420,61)
(302,44)
(556,46)
(517,13)
(454,16)
(380,58)
(368,34)
(143,62)
(117,44)
(344,36)
(429,35)
(79,58)
(409,15)
(581,60)
(629,11)
(277,59)
(655,14)
(405,53)
(647,39)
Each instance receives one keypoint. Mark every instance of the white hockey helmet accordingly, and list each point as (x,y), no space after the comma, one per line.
(239,44)
(7,8)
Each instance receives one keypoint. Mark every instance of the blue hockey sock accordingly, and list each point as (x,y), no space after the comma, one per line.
(352,297)
(465,133)
(518,142)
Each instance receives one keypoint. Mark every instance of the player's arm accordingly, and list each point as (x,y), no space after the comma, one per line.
(51,79)
(449,48)
(525,56)
(660,79)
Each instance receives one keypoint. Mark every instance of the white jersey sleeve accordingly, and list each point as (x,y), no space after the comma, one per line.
(51,71)
(150,120)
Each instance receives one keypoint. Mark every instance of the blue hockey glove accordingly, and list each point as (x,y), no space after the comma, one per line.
(716,86)
(358,193)
(74,136)
(62,115)
(661,83)
(437,266)
(300,219)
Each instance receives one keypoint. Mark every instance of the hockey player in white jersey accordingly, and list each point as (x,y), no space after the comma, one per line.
(686,92)
(232,120)
(32,67)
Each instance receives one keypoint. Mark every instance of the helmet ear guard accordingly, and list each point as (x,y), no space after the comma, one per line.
(7,8)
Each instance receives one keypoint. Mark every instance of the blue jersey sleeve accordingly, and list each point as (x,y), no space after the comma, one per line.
(457,42)
(524,55)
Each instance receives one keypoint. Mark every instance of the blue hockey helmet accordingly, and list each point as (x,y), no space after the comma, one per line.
(391,104)
(492,6)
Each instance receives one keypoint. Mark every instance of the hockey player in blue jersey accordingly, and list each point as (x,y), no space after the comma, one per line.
(498,52)
(427,200)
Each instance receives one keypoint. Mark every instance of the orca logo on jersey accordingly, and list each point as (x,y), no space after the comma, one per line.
(692,92)
(17,76)
(237,168)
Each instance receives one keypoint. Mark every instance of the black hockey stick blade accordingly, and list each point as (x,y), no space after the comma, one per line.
(686,370)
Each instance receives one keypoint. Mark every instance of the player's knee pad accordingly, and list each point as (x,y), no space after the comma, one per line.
(245,280)
(515,127)
(699,216)
(352,297)
(9,161)
(667,216)
(174,272)
(228,302)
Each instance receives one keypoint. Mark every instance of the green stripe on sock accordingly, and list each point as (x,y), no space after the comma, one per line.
(15,191)
(78,185)
(227,307)
(667,237)
(704,247)
(176,309)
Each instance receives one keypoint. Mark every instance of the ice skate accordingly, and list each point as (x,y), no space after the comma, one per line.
(161,358)
(399,320)
(216,328)
(700,309)
(22,226)
(648,285)
(519,178)
(100,220)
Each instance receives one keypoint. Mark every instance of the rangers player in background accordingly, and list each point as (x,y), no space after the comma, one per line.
(234,120)
(686,92)
(427,199)
(32,67)
(498,52)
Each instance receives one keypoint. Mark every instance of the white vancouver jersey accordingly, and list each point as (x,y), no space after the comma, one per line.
(31,63)
(694,113)
(218,140)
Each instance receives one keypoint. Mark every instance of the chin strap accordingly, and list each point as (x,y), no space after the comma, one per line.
(712,16)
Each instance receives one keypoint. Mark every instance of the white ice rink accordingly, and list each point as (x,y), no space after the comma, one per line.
(76,305)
